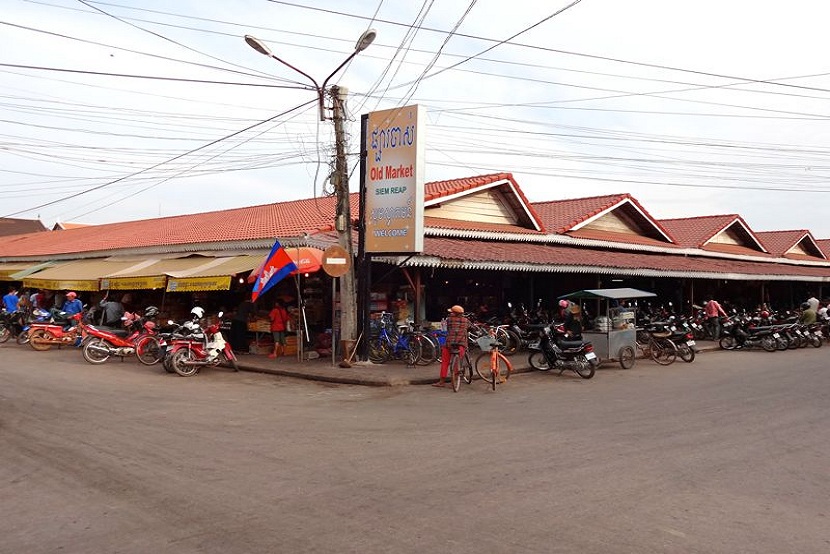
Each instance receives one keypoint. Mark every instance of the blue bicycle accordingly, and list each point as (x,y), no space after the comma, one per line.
(388,343)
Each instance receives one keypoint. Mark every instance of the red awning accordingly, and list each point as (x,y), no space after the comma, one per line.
(307,260)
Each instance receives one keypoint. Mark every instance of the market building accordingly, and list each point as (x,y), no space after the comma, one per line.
(484,244)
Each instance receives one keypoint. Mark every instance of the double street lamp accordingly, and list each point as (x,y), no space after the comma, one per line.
(340,178)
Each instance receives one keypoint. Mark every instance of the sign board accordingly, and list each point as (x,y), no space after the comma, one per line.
(192,284)
(336,261)
(394,194)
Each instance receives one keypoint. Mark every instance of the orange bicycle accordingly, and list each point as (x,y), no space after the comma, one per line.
(492,366)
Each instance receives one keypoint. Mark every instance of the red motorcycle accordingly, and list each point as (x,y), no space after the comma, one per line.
(138,339)
(43,336)
(189,354)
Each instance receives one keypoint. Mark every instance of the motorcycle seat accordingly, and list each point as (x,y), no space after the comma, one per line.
(566,344)
(115,331)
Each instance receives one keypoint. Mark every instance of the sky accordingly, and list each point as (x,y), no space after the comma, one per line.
(127,109)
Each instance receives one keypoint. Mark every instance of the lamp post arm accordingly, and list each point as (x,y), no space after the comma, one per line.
(320,90)
(339,67)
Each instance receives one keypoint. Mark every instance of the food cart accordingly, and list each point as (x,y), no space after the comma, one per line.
(613,334)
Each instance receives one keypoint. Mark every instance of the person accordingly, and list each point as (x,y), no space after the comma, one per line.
(37,299)
(813,302)
(111,311)
(11,300)
(279,322)
(713,312)
(573,322)
(72,305)
(239,326)
(808,314)
(457,326)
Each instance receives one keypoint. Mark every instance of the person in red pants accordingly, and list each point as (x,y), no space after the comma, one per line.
(457,326)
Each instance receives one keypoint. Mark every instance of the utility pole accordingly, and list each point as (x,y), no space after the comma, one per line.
(343,218)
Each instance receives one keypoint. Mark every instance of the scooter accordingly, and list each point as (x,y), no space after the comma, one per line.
(209,348)
(17,324)
(100,344)
(549,353)
(43,336)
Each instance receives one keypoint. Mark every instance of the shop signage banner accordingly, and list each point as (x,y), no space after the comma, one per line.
(54,284)
(192,284)
(134,283)
(394,177)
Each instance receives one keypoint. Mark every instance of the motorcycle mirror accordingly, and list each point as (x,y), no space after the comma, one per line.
(220,314)
(170,322)
(509,304)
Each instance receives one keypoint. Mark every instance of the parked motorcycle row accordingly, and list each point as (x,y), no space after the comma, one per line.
(746,331)
(182,348)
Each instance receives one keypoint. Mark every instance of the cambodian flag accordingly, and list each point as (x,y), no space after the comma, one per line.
(277,265)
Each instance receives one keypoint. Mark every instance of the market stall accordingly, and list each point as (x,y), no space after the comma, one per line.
(614,333)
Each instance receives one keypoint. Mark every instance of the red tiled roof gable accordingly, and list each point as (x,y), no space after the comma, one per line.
(779,242)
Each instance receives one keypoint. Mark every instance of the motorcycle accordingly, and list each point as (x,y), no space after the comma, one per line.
(683,338)
(738,333)
(17,324)
(43,336)
(201,349)
(551,352)
(138,338)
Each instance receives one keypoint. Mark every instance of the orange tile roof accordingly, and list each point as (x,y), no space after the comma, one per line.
(693,232)
(13,226)
(824,244)
(778,242)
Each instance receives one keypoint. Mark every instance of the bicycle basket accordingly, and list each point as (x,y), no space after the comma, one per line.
(486,342)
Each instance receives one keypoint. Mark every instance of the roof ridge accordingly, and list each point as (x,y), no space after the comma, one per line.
(619,195)
(698,217)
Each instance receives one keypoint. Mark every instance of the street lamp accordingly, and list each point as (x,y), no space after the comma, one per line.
(343,218)
(362,44)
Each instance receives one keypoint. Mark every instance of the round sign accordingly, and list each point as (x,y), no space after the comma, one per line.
(336,261)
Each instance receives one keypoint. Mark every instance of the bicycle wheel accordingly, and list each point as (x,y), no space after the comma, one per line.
(466,369)
(503,368)
(429,350)
(455,372)
(379,351)
(412,353)
(482,366)
(663,351)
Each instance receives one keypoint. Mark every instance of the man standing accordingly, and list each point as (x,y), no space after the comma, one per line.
(713,313)
(457,325)
(11,300)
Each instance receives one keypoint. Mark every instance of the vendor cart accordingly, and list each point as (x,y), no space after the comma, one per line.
(613,333)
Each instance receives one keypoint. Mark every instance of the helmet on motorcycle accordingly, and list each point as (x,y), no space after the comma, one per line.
(198,312)
(563,303)
(805,305)
(151,311)
(764,314)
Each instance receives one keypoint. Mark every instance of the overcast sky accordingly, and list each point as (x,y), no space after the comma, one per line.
(694,107)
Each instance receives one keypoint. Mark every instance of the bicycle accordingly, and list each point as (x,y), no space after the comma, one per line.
(389,343)
(489,364)
(657,346)
(460,367)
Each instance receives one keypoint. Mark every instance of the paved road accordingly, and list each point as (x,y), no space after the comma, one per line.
(725,455)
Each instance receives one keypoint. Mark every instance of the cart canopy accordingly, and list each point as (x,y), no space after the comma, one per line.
(608,294)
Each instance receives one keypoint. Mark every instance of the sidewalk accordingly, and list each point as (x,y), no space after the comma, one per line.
(390,374)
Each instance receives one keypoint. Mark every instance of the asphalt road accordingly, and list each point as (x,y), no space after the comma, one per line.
(725,455)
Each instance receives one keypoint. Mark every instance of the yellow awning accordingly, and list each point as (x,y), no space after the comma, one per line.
(77,275)
(213,275)
(152,273)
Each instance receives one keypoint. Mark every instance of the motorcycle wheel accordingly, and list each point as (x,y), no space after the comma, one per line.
(781,343)
(794,342)
(728,342)
(538,361)
(769,343)
(23,337)
(5,333)
(182,363)
(585,368)
(96,351)
(815,342)
(626,356)
(167,363)
(686,353)
(40,340)
(147,350)
(230,361)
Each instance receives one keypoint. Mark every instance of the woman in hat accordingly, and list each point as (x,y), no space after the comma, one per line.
(457,326)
